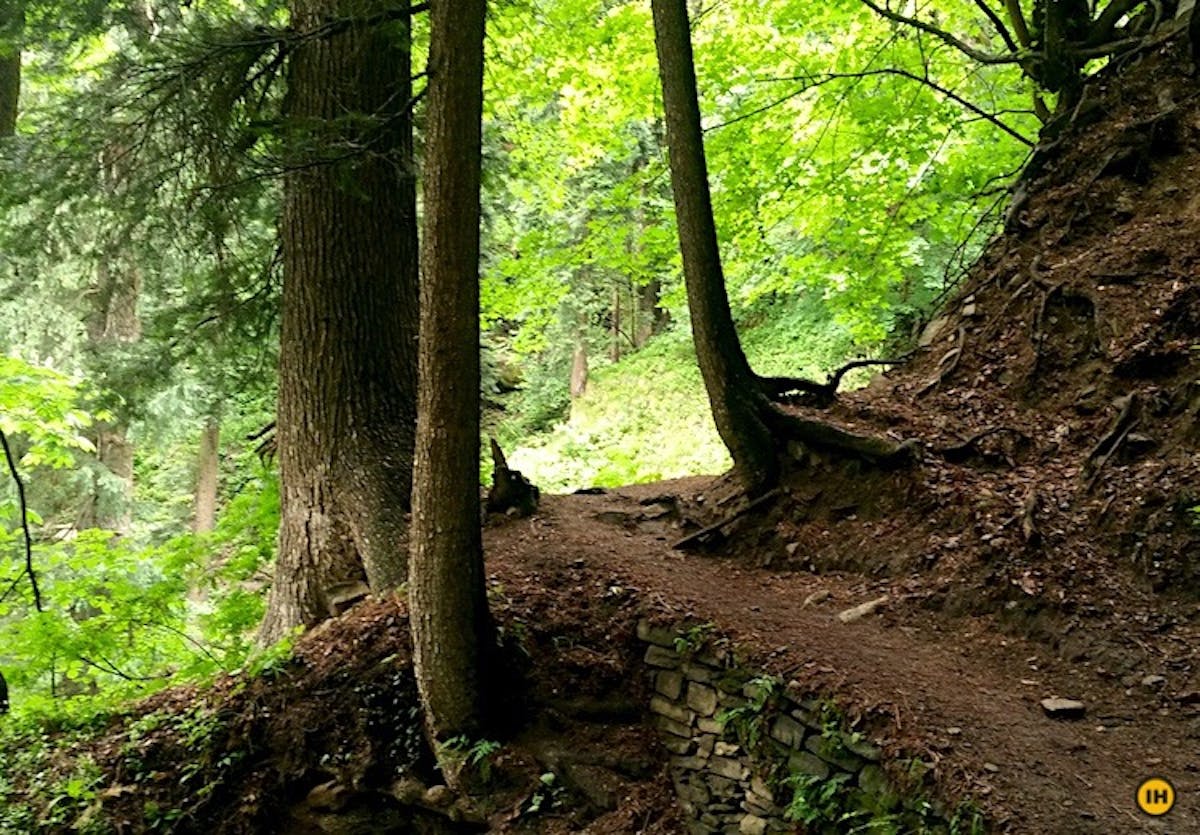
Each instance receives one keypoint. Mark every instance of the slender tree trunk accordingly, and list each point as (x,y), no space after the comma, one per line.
(579,369)
(12,29)
(348,348)
(733,390)
(446,587)
(614,345)
(113,322)
(205,516)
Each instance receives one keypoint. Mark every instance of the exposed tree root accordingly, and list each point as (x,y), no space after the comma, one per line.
(819,395)
(829,438)
(1108,445)
(704,533)
(961,452)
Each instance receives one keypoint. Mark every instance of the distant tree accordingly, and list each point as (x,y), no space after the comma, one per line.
(749,423)
(447,600)
(348,346)
(12,25)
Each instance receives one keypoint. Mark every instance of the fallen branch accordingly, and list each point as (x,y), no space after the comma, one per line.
(1029,528)
(1126,406)
(29,572)
(1100,464)
(714,528)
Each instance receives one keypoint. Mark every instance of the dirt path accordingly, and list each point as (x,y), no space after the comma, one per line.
(957,690)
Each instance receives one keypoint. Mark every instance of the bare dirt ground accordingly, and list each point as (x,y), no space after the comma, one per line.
(954,690)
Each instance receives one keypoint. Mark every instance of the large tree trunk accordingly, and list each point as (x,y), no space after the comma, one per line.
(447,602)
(204,517)
(732,387)
(347,370)
(12,26)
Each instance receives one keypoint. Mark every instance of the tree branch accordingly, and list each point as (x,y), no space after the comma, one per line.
(942,35)
(928,82)
(29,572)
(1103,27)
(1001,29)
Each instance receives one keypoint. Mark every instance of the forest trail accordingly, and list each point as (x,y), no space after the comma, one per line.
(955,690)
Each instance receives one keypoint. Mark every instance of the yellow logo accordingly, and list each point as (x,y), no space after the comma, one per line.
(1155,796)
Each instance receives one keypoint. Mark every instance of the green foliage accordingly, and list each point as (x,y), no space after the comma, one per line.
(694,639)
(748,721)
(548,795)
(39,789)
(472,753)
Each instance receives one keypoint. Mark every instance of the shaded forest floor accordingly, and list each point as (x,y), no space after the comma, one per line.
(1044,545)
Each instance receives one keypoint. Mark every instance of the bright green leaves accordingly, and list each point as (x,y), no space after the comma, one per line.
(39,407)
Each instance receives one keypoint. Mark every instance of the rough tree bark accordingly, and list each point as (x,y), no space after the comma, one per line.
(730,383)
(749,423)
(347,371)
(447,603)
(204,517)
(12,27)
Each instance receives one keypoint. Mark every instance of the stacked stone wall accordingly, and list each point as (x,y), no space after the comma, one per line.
(731,751)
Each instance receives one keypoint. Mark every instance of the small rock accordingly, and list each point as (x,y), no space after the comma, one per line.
(791,548)
(330,795)
(408,790)
(954,731)
(1154,682)
(662,636)
(438,797)
(787,730)
(752,825)
(862,610)
(1057,708)
(669,683)
(992,767)
(817,597)
(701,699)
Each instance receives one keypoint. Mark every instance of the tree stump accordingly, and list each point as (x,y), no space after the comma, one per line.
(511,492)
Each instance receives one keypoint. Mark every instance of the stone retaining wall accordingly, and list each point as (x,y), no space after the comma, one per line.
(729,747)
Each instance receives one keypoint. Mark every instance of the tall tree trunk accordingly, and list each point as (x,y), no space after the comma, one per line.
(204,518)
(614,345)
(348,348)
(12,27)
(653,316)
(446,585)
(579,368)
(733,390)
(113,322)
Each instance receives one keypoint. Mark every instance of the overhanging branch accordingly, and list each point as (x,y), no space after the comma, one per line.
(942,35)
(29,572)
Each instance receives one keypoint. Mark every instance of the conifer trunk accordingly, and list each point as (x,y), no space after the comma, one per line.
(347,371)
(448,607)
(204,517)
(12,26)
